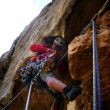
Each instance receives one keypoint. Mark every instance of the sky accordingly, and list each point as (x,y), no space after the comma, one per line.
(15,15)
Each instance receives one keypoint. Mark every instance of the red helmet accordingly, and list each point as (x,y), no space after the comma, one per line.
(39,48)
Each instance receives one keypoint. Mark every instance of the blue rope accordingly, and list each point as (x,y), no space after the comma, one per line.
(98,83)
(94,72)
(97,105)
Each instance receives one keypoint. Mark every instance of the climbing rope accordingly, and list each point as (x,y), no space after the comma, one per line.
(58,63)
(30,90)
(96,16)
(96,76)
(29,94)
(13,98)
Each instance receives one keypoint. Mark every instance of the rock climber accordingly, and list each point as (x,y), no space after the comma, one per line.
(46,59)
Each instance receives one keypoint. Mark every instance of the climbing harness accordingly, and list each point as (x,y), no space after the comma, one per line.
(96,76)
(31,84)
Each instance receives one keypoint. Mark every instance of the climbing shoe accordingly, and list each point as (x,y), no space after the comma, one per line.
(72,92)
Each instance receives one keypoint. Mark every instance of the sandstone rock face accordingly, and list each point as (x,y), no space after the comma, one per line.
(49,22)
(46,23)
(80,63)
(59,18)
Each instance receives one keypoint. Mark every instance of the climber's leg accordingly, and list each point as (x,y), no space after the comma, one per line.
(58,103)
(57,85)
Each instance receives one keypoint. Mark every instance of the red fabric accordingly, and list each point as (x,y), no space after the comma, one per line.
(39,48)
(45,55)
